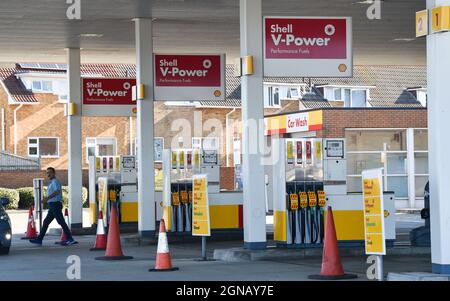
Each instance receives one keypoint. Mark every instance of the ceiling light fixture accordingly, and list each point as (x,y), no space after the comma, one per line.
(91,35)
(367,2)
(404,39)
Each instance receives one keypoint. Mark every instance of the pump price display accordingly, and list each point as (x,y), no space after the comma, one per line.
(189,77)
(303,199)
(312,199)
(321,197)
(175,199)
(184,196)
(308,46)
(373,211)
(294,201)
(201,225)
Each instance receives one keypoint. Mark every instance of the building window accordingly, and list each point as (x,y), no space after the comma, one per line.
(207,143)
(44,147)
(347,97)
(338,94)
(420,161)
(293,93)
(359,98)
(37,85)
(102,146)
(42,85)
(378,149)
(47,86)
(273,97)
(237,151)
(158,148)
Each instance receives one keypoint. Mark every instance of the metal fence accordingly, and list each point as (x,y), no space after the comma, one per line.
(10,162)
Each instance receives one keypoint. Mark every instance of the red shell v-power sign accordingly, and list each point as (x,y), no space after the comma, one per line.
(307,46)
(108,97)
(189,77)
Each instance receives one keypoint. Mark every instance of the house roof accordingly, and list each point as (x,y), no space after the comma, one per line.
(311,100)
(389,82)
(15,88)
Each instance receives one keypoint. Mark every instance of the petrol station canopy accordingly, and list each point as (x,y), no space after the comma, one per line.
(40,30)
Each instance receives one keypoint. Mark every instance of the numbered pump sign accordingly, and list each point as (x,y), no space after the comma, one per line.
(308,46)
(189,77)
(373,211)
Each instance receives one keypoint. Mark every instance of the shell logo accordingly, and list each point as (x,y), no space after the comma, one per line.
(386,213)
(217,93)
(134,110)
(342,67)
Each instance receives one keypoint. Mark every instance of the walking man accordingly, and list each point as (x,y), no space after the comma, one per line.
(54,200)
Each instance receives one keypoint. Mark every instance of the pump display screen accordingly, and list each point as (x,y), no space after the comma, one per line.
(335,149)
(128,162)
(210,157)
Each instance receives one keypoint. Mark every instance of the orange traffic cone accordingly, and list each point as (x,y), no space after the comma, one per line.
(100,239)
(331,261)
(63,234)
(163,260)
(31,227)
(113,246)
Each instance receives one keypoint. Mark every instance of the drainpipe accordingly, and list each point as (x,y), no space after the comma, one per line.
(15,127)
(131,136)
(227,139)
(3,130)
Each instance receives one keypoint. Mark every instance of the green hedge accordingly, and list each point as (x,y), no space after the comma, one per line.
(26,196)
(12,195)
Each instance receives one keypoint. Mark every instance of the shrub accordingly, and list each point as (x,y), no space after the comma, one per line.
(12,195)
(26,197)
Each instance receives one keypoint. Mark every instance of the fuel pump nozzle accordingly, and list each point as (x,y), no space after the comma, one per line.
(315,232)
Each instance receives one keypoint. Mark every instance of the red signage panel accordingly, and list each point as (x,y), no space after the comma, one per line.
(108,91)
(305,38)
(308,46)
(187,70)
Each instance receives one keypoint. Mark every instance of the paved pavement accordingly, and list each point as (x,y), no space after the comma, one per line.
(30,262)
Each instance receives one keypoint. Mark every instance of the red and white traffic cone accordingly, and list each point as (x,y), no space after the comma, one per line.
(63,234)
(113,245)
(163,259)
(331,261)
(31,226)
(100,239)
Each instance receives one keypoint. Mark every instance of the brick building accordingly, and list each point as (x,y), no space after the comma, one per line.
(32,100)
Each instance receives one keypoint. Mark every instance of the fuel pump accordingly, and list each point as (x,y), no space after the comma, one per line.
(303,191)
(185,163)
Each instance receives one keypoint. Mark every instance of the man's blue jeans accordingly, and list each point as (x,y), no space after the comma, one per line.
(55,211)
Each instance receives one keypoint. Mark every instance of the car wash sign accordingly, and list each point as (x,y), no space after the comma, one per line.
(108,97)
(308,46)
(189,77)
(293,123)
